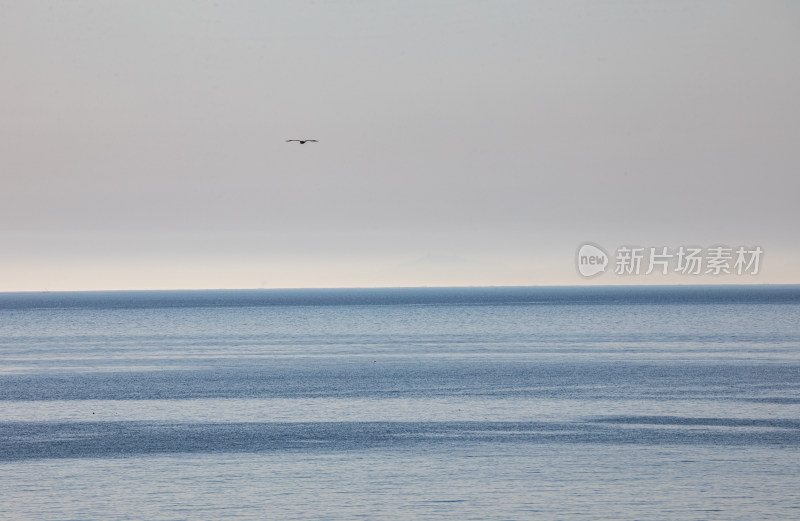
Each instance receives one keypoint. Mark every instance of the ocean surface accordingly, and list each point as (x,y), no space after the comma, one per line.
(587,403)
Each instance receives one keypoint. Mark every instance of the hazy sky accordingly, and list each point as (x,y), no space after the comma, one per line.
(460,142)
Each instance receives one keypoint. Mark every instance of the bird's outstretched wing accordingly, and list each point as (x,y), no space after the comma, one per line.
(301,141)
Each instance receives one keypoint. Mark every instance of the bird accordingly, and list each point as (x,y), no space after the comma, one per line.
(302,141)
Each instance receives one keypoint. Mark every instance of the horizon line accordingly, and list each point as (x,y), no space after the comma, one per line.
(424,287)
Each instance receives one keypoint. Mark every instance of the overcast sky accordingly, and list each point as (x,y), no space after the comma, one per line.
(142,143)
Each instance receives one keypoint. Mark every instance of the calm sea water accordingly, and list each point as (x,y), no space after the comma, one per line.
(495,403)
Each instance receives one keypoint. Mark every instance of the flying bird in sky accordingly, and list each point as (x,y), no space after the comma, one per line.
(302,141)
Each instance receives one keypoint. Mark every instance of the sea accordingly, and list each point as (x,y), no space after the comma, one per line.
(523,403)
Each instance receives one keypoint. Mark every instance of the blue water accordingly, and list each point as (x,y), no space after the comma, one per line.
(463,403)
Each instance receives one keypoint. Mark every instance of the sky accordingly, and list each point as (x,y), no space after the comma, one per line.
(467,143)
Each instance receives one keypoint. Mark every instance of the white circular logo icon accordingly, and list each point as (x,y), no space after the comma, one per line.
(591,260)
